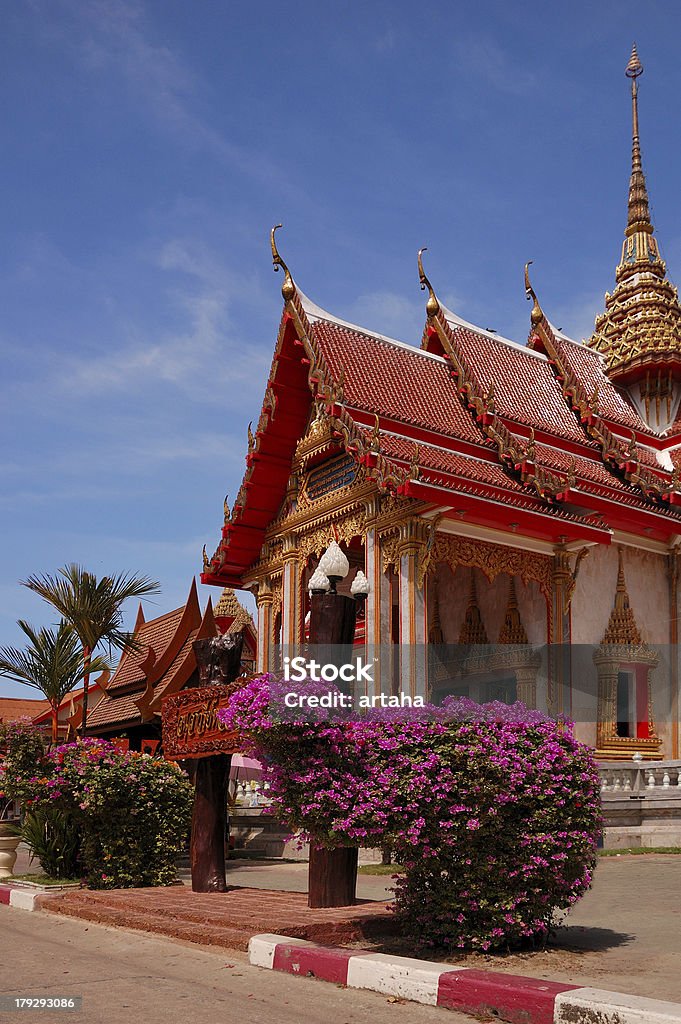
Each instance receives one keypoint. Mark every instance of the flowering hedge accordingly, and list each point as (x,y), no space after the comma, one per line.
(494,811)
(21,749)
(132,811)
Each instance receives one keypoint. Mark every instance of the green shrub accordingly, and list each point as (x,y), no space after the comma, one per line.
(54,839)
(130,811)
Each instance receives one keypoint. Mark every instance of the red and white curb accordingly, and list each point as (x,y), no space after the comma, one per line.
(507,997)
(23,899)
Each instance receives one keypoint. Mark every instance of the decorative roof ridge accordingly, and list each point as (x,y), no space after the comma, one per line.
(454,318)
(514,454)
(581,345)
(367,452)
(189,620)
(585,407)
(315,313)
(179,672)
(389,432)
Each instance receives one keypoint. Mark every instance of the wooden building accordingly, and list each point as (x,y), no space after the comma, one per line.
(163,664)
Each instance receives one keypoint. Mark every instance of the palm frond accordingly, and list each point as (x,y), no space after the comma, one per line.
(52,661)
(91,605)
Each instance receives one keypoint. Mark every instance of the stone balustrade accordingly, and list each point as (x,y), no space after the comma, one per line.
(621,777)
(641,803)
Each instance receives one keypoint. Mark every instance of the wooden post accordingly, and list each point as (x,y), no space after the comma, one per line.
(209,824)
(332,874)
(218,660)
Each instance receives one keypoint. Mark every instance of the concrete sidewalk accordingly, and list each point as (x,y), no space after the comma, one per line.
(622,935)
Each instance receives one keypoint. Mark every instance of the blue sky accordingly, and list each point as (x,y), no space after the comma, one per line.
(148,147)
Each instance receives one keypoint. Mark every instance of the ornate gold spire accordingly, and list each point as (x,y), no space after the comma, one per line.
(622,628)
(230,607)
(640,331)
(473,630)
(639,213)
(512,630)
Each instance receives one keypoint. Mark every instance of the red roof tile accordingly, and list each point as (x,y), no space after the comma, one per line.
(589,368)
(395,380)
(525,388)
(13,708)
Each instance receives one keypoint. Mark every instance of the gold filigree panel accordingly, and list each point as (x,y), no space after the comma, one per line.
(315,542)
(493,559)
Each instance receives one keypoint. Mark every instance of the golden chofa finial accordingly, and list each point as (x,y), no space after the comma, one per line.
(432,305)
(288,287)
(536,316)
(634,67)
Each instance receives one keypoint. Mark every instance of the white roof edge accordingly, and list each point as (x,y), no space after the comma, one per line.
(459,321)
(580,344)
(315,312)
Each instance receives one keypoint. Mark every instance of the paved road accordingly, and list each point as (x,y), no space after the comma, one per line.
(623,935)
(126,976)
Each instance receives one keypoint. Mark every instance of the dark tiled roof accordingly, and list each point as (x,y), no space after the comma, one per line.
(157,634)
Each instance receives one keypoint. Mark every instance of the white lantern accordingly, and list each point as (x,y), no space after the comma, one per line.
(334,563)
(360,586)
(319,582)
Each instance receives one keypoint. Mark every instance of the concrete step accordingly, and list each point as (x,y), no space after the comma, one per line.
(160,924)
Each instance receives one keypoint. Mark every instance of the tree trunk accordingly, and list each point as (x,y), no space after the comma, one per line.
(332,877)
(209,821)
(86,685)
(55,724)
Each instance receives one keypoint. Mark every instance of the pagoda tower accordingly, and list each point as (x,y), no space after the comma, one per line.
(639,334)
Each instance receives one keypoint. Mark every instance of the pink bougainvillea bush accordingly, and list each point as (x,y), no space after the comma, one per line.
(493,810)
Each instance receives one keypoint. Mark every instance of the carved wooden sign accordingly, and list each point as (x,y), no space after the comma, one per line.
(191,727)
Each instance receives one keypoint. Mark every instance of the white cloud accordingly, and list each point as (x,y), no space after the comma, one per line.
(389,313)
(482,57)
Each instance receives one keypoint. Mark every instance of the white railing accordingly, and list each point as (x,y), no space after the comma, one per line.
(252,794)
(623,777)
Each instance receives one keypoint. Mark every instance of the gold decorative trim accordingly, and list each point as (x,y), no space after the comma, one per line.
(493,559)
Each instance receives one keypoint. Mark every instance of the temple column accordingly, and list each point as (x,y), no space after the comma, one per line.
(559,641)
(606,728)
(413,631)
(263,599)
(674,648)
(290,597)
(377,632)
(526,685)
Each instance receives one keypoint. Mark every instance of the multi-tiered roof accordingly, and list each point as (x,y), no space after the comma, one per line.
(546,440)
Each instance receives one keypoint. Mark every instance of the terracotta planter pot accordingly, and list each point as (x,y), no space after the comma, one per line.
(8,849)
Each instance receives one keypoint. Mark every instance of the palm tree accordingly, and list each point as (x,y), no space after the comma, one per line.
(93,608)
(52,662)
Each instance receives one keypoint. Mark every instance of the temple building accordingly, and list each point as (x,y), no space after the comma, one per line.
(516,508)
